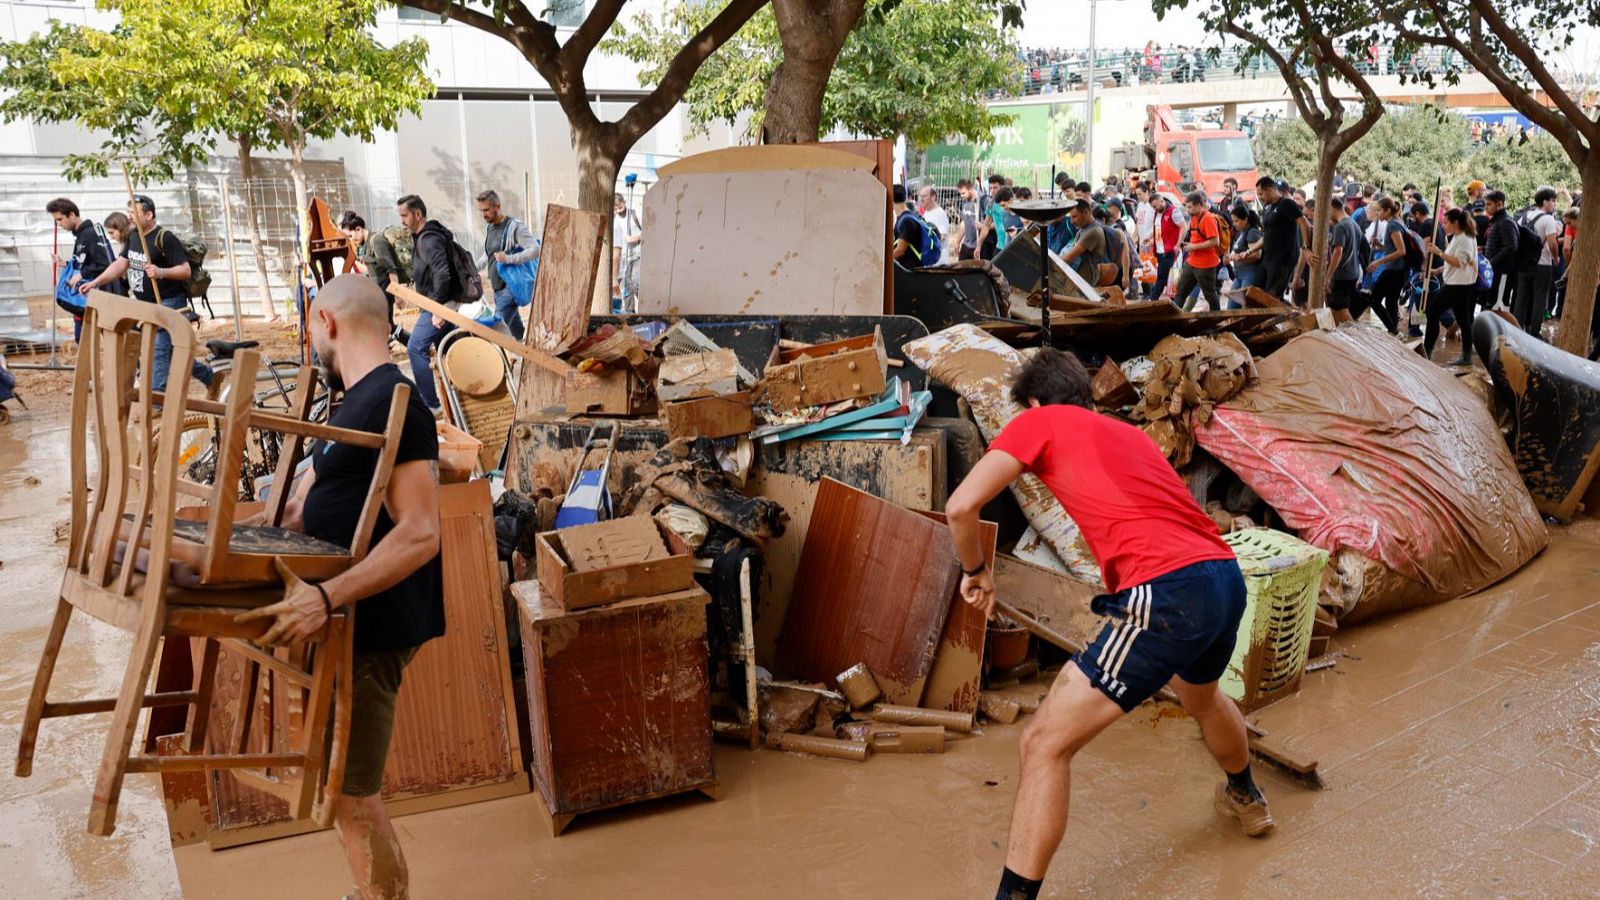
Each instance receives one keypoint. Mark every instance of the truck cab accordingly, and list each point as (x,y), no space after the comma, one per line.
(1189,159)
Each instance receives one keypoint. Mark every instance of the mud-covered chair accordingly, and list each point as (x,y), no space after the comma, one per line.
(125,495)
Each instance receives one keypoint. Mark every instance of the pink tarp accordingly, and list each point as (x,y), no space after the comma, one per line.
(1361,445)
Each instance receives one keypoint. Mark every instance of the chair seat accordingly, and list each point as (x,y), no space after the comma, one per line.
(251,550)
(260,540)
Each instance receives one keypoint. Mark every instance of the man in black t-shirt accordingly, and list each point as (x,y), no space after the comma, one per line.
(1285,236)
(154,261)
(91,251)
(398,584)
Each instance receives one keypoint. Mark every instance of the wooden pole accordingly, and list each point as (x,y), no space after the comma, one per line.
(503,341)
(1427,259)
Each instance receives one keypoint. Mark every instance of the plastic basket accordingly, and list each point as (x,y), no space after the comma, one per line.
(1282,576)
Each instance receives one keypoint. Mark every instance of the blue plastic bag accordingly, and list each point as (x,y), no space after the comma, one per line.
(520,277)
(67,296)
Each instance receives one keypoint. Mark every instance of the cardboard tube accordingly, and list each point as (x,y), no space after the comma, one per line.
(820,746)
(858,686)
(885,738)
(998,708)
(911,715)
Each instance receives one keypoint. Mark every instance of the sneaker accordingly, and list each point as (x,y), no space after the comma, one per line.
(1253,815)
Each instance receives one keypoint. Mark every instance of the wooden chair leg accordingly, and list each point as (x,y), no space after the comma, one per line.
(339,739)
(41,688)
(124,721)
(324,666)
(200,712)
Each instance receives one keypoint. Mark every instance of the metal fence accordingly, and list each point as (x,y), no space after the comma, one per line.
(1065,71)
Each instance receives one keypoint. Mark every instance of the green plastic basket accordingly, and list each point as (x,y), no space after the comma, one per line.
(1282,575)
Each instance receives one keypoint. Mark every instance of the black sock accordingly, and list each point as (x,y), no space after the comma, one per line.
(1015,887)
(1242,784)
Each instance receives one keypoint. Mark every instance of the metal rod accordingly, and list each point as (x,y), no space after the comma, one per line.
(233,267)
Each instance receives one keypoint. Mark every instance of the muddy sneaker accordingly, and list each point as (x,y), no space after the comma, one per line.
(1253,814)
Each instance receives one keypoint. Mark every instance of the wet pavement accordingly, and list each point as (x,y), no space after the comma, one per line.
(1460,746)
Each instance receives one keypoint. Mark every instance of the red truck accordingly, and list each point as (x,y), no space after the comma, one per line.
(1187,159)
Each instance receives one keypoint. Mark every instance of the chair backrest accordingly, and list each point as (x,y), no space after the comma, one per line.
(132,434)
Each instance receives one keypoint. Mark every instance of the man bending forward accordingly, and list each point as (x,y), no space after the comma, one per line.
(1176,597)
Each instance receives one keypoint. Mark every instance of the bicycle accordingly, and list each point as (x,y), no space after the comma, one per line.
(200,439)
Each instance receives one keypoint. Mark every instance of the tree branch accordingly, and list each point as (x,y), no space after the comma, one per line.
(583,41)
(675,79)
(1302,100)
(1531,59)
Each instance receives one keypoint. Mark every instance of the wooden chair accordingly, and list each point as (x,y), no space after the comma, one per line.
(133,504)
(217,551)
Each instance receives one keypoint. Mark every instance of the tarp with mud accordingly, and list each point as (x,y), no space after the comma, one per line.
(1386,461)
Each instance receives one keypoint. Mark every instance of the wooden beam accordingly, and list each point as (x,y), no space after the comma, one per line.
(508,343)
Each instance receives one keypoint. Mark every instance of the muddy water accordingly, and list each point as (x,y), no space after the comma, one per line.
(1460,745)
(44,850)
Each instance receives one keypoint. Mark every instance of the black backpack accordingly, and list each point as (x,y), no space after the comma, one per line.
(466,285)
(1530,244)
(1414,257)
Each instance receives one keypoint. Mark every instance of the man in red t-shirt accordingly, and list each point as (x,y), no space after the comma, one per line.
(1175,598)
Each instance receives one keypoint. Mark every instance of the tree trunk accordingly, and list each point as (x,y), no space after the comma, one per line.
(600,155)
(1317,287)
(302,204)
(247,168)
(1583,275)
(813,32)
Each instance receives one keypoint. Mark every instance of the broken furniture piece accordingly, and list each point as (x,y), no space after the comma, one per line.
(118,570)
(326,243)
(618,700)
(478,389)
(820,374)
(590,565)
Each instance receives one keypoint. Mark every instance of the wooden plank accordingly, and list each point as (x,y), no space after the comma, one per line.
(771,157)
(874,586)
(504,341)
(956,678)
(1058,601)
(911,475)
(569,258)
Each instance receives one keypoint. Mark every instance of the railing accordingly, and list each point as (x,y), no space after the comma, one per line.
(1055,72)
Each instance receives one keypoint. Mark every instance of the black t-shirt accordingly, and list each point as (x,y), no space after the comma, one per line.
(1280,230)
(91,248)
(412,611)
(166,251)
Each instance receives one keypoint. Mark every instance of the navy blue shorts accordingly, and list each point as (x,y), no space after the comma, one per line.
(1182,623)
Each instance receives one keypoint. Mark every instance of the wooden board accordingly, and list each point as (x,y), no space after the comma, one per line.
(1057,600)
(781,242)
(569,258)
(454,722)
(910,475)
(618,699)
(874,586)
(767,158)
(956,678)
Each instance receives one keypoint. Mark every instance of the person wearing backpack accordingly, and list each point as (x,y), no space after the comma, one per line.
(1390,271)
(157,267)
(436,273)
(506,240)
(1500,246)
(91,253)
(1202,253)
(1537,232)
(913,241)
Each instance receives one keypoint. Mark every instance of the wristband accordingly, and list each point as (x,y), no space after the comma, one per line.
(327,605)
(978,571)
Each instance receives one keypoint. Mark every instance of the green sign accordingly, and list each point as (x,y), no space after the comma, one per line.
(1040,134)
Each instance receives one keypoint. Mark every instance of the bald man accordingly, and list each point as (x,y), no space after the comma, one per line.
(398,585)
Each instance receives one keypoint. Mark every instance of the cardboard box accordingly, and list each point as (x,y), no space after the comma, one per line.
(828,373)
(711,417)
(614,392)
(698,375)
(581,575)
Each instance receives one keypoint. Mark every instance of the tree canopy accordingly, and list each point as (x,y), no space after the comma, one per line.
(922,68)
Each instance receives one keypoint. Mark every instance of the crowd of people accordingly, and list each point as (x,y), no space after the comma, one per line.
(1057,69)
(130,254)
(1418,264)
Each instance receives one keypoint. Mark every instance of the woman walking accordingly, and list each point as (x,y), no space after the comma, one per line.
(1460,270)
(1244,257)
(1387,270)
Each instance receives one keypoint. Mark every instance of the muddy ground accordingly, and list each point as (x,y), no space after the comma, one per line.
(1460,746)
